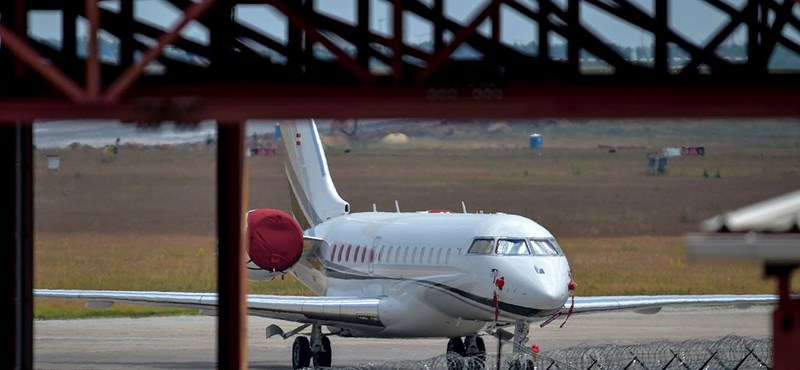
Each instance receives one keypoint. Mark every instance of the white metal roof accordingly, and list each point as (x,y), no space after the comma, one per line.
(766,231)
(779,214)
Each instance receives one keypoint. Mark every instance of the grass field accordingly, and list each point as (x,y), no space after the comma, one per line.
(144,219)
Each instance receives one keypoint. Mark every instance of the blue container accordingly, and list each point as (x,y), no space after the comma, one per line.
(277,131)
(536,141)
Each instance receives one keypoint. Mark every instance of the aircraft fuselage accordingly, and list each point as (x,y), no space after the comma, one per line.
(434,284)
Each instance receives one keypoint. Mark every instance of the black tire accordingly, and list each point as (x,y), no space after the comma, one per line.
(323,359)
(481,348)
(456,346)
(476,363)
(455,352)
(530,365)
(301,353)
(522,365)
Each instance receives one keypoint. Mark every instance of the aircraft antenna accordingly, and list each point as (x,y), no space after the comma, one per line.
(374,208)
(463,206)
(397,206)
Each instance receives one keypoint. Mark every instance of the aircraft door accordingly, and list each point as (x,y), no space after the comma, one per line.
(373,254)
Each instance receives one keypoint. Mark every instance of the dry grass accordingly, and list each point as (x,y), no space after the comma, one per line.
(657,265)
(131,262)
(145,219)
(125,261)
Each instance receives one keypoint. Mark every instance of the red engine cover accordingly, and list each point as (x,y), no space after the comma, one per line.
(275,240)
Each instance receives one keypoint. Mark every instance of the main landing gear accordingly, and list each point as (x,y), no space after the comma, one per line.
(317,349)
(469,353)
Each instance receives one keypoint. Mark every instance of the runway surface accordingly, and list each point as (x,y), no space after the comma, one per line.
(189,342)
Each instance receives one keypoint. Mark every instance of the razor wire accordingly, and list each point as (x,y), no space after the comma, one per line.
(728,353)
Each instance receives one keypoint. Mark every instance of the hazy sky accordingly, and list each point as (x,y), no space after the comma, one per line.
(692,18)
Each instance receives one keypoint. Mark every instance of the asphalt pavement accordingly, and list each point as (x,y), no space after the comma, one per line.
(189,342)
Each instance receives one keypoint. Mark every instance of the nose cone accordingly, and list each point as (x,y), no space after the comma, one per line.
(534,286)
(553,296)
(550,284)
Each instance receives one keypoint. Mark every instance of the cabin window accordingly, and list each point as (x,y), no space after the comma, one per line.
(380,252)
(355,254)
(512,247)
(347,255)
(545,247)
(422,256)
(439,256)
(405,254)
(413,255)
(363,254)
(340,252)
(397,255)
(430,257)
(389,255)
(447,256)
(371,256)
(333,252)
(482,246)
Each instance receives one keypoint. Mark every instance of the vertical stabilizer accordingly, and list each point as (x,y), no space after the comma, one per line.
(314,197)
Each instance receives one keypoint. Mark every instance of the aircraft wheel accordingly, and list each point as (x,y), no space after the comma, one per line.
(481,348)
(522,365)
(456,346)
(301,353)
(323,359)
(476,363)
(530,365)
(455,353)
(475,352)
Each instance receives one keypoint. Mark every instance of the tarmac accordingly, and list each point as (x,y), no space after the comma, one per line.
(189,342)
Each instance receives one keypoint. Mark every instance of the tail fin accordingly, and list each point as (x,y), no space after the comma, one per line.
(314,198)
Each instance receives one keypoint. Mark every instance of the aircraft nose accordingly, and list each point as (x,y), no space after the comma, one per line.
(554,287)
(554,295)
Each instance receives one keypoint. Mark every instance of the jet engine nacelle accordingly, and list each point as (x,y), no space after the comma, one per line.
(274,243)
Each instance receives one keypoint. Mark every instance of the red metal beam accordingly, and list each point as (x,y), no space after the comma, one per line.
(785,319)
(312,33)
(231,279)
(239,103)
(16,162)
(93,58)
(20,25)
(436,61)
(33,59)
(397,40)
(133,72)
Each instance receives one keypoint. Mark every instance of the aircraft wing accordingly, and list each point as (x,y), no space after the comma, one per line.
(653,303)
(346,312)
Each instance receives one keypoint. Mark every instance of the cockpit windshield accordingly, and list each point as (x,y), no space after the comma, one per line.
(516,247)
(512,247)
(545,247)
(482,246)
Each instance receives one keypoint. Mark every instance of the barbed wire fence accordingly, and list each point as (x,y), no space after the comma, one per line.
(728,353)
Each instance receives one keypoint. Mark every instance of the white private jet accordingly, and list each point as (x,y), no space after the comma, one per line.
(398,274)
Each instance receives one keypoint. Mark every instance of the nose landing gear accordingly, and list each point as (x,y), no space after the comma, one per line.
(467,354)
